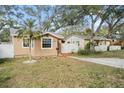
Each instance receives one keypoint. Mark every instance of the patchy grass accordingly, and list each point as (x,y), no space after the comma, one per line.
(108,54)
(58,72)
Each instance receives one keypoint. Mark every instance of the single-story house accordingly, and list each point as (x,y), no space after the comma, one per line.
(81,41)
(75,39)
(117,39)
(53,44)
(48,44)
(99,40)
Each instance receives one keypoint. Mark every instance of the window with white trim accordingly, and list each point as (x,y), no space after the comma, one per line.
(46,42)
(26,42)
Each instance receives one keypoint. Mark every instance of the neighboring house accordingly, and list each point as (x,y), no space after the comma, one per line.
(76,40)
(72,41)
(117,39)
(99,40)
(49,44)
(81,41)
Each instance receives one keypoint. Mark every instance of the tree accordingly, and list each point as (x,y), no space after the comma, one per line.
(96,15)
(87,32)
(115,20)
(69,30)
(4,35)
(79,15)
(5,16)
(27,31)
(42,14)
(68,16)
(102,32)
(35,12)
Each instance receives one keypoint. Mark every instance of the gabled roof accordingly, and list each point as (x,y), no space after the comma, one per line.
(54,34)
(87,37)
(13,33)
(100,38)
(79,36)
(116,36)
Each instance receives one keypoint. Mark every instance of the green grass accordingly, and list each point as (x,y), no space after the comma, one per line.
(108,54)
(58,72)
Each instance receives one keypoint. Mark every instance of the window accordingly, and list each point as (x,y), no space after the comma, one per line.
(78,43)
(46,43)
(26,42)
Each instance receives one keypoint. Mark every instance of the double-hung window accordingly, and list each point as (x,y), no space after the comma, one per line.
(26,42)
(46,43)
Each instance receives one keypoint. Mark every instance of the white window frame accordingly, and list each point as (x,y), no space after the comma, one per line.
(47,38)
(32,42)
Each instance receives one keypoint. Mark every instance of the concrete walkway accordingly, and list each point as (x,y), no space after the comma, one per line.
(114,62)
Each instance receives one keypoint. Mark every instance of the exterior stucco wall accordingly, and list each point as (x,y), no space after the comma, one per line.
(37,50)
(103,42)
(122,43)
(74,39)
(18,48)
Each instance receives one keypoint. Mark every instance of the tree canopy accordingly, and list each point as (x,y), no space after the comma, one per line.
(52,18)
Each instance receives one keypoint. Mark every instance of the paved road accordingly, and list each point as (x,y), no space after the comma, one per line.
(114,62)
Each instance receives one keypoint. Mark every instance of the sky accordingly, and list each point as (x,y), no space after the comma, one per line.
(27,16)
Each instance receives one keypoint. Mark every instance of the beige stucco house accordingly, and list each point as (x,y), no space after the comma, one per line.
(48,44)
(54,44)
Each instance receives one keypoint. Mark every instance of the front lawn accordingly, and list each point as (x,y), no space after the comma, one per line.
(108,54)
(58,72)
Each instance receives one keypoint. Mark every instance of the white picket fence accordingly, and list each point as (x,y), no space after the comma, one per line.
(112,48)
(101,48)
(69,48)
(104,48)
(6,50)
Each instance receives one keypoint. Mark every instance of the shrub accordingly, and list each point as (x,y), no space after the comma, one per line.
(122,48)
(87,46)
(85,52)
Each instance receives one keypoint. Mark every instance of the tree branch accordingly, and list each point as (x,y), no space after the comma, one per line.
(117,21)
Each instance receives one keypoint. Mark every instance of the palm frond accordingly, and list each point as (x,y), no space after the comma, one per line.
(37,35)
(27,31)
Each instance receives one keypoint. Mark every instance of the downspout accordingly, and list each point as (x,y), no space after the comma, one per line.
(58,47)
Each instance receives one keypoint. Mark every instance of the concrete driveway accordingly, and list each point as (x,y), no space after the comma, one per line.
(114,62)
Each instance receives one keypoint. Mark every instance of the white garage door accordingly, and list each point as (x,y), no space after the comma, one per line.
(6,51)
(69,48)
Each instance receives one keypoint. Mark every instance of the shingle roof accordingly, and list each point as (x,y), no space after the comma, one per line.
(54,34)
(87,37)
(13,33)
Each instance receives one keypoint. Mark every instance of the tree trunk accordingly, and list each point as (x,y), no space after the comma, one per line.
(92,47)
(30,56)
(110,30)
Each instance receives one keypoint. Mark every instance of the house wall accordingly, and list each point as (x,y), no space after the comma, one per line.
(19,50)
(116,42)
(122,43)
(104,42)
(74,40)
